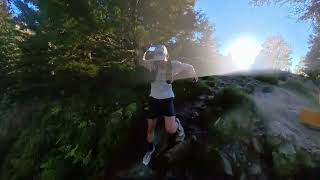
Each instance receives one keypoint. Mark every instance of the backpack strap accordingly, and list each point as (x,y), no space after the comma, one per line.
(169,75)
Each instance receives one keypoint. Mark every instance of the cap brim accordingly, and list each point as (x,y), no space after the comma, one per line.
(159,58)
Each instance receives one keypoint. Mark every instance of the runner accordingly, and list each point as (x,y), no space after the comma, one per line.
(161,100)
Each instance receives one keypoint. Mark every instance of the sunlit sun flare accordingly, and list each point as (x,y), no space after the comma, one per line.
(243,52)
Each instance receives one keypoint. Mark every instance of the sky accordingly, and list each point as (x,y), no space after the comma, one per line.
(234,19)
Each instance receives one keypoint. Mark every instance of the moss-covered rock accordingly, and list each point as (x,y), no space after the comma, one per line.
(270,78)
(288,160)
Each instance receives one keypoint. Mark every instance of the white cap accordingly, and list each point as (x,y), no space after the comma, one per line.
(156,53)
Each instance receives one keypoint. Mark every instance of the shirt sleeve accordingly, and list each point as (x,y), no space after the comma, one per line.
(178,67)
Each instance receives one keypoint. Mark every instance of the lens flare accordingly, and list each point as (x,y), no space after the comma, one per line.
(243,52)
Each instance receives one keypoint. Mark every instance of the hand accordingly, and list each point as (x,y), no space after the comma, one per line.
(195,79)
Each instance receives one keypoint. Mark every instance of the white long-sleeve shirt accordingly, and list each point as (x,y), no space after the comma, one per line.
(160,89)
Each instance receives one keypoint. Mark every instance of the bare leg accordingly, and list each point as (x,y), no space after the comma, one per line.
(170,124)
(152,123)
(150,137)
(174,127)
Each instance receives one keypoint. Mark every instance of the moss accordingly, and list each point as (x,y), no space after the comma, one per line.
(238,113)
(210,82)
(186,91)
(288,160)
(232,97)
(298,88)
(274,141)
(270,79)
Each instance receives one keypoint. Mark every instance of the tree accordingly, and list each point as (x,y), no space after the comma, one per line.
(10,52)
(301,67)
(313,57)
(308,10)
(198,48)
(275,55)
(79,40)
(84,45)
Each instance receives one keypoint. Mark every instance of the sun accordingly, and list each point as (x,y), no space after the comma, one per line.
(243,52)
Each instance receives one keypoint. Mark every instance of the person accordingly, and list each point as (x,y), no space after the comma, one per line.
(161,99)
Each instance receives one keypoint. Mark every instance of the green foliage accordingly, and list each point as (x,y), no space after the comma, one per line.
(76,42)
(67,138)
(185,90)
(270,79)
(299,88)
(232,117)
(52,169)
(76,60)
(235,125)
(232,97)
(288,160)
(312,64)
(115,135)
(210,81)
(9,48)
(308,10)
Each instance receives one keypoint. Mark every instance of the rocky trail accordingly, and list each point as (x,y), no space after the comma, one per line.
(269,143)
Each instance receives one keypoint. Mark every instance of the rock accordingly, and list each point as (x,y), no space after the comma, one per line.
(287,149)
(138,171)
(203,97)
(257,146)
(255,169)
(169,175)
(243,176)
(226,164)
(210,98)
(195,114)
(200,106)
(274,140)
(217,122)
(266,89)
(178,152)
(238,146)
(285,160)
(194,138)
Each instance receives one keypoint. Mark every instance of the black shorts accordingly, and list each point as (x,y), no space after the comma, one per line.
(160,107)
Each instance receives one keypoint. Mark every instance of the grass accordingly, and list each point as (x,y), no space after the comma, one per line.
(298,88)
(186,91)
(231,97)
(270,79)
(238,112)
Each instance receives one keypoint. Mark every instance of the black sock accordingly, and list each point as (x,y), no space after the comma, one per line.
(150,146)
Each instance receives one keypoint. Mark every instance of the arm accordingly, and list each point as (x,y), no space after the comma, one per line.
(179,67)
(145,64)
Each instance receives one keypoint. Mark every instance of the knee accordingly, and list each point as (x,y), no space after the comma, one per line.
(170,129)
(151,128)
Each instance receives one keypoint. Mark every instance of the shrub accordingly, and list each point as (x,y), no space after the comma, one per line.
(299,88)
(232,97)
(186,91)
(271,79)
(69,138)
